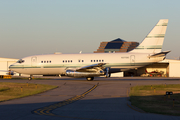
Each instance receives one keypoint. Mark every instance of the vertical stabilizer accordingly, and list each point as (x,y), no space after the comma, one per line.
(154,40)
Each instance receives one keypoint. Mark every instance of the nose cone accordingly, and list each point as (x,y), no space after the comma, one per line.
(11,67)
(14,67)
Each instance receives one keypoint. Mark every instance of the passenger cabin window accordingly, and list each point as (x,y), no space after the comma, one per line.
(97,60)
(65,61)
(45,61)
(80,60)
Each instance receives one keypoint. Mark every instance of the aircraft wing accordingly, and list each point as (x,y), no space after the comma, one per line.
(93,67)
(160,54)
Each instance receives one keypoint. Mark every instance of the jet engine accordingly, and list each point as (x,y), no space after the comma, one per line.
(72,73)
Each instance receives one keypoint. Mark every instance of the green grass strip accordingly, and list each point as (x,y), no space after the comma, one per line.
(9,91)
(153,98)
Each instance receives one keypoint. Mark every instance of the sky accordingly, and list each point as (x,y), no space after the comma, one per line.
(33,27)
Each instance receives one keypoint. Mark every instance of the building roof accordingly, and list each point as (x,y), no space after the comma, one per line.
(118,40)
(8,59)
(112,45)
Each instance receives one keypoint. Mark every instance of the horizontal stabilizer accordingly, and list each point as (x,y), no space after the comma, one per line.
(160,54)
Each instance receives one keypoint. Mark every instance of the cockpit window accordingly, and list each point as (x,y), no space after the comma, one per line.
(20,61)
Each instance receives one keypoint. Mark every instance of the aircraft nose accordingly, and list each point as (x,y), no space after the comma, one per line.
(11,67)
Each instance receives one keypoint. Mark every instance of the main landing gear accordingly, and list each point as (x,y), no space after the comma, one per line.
(90,78)
(108,74)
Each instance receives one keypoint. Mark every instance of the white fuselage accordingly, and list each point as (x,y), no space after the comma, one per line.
(59,63)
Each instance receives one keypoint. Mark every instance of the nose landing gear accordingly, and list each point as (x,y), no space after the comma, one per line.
(30,78)
(90,78)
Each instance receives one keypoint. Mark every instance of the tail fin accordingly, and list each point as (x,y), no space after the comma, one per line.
(154,40)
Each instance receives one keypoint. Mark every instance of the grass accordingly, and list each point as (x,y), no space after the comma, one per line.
(154,100)
(9,91)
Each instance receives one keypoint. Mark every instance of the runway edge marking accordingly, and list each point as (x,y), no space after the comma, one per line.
(47,110)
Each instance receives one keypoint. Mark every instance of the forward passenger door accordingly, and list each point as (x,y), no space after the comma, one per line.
(33,61)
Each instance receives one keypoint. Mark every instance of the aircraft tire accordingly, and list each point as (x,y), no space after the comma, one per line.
(30,78)
(90,78)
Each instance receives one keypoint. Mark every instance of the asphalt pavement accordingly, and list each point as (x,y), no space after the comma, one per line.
(76,98)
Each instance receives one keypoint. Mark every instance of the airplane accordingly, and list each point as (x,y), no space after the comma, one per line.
(91,65)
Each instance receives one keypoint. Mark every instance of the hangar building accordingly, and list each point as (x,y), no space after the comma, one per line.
(4,65)
(165,68)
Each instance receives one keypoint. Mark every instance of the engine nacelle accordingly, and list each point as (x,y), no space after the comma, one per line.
(71,73)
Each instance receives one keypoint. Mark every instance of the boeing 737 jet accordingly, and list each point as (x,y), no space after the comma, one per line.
(97,64)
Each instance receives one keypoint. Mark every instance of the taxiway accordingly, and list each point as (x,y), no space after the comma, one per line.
(101,99)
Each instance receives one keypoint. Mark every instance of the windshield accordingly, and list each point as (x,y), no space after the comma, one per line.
(20,61)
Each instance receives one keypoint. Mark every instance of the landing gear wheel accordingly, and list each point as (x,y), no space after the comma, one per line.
(109,74)
(30,78)
(90,78)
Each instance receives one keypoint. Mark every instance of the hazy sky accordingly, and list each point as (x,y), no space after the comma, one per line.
(30,27)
